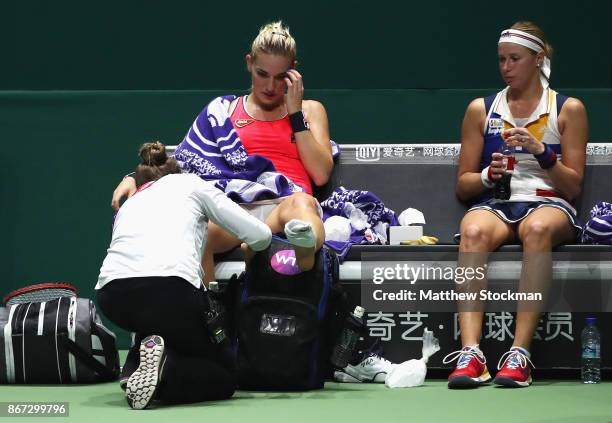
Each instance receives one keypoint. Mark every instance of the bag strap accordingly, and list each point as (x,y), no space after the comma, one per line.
(87,359)
(110,351)
(107,339)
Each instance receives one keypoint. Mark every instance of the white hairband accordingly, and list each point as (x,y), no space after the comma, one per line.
(531,42)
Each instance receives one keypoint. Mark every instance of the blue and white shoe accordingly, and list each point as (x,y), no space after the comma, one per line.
(373,368)
(142,384)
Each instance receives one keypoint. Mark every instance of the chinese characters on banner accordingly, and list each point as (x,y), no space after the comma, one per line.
(497,326)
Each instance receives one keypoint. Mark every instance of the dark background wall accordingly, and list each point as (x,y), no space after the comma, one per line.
(83,84)
(194,44)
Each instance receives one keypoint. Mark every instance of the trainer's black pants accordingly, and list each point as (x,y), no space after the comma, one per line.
(195,369)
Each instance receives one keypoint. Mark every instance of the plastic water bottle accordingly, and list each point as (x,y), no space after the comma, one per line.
(502,186)
(591,354)
(347,341)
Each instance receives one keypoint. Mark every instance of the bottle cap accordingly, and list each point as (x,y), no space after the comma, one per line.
(591,320)
(359,311)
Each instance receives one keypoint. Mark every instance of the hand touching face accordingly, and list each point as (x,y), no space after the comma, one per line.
(269,73)
(295,91)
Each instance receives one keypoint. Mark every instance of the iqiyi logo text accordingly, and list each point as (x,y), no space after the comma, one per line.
(367,153)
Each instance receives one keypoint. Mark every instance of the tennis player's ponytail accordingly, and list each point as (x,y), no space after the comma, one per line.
(274,38)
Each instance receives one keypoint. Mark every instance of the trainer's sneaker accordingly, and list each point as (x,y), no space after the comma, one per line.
(515,372)
(142,384)
(123,383)
(373,368)
(471,370)
(131,364)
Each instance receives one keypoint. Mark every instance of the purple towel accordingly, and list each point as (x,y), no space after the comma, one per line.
(367,202)
(598,229)
(213,151)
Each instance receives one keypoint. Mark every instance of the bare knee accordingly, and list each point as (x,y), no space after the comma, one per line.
(301,200)
(536,234)
(474,238)
(297,206)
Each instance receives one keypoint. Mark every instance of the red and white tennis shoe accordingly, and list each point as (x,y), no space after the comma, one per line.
(471,369)
(514,369)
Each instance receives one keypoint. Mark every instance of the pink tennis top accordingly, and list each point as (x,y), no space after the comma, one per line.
(273,140)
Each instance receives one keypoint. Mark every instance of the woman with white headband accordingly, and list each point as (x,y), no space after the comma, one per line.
(549,132)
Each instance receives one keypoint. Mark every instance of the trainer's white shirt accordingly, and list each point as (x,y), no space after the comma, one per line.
(162,229)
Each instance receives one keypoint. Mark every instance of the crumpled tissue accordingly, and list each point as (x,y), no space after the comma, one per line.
(337,228)
(412,373)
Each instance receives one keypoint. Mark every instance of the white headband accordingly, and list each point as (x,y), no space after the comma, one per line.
(531,42)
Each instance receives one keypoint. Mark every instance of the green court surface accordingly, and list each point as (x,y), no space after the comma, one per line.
(544,401)
(562,401)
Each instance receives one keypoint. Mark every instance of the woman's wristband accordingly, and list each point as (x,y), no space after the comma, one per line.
(298,123)
(485,177)
(547,158)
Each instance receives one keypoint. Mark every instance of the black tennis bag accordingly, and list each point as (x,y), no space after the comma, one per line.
(61,340)
(282,320)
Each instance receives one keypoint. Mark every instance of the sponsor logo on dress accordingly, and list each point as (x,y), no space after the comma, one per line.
(496,126)
(241,123)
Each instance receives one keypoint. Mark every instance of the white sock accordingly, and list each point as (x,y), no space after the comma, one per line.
(522,350)
(300,233)
(475,347)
